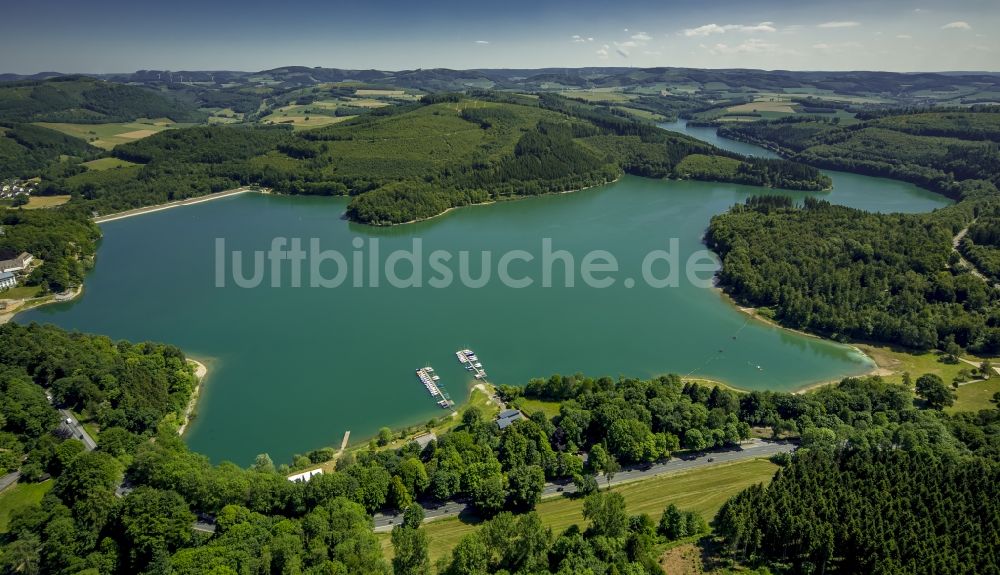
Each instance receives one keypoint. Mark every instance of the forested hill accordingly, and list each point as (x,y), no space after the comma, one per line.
(80,99)
(952,152)
(27,150)
(891,278)
(415,161)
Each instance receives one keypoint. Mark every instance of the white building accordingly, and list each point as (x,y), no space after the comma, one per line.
(18,264)
(305,476)
(7,280)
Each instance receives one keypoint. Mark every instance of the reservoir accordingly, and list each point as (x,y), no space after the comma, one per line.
(292,368)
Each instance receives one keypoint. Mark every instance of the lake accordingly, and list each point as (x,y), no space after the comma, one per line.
(292,368)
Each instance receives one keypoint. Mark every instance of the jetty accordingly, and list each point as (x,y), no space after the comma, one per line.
(430,379)
(470,361)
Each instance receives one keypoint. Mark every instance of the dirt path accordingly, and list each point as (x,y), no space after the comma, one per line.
(200,371)
(955,242)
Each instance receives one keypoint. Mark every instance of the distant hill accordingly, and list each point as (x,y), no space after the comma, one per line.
(80,99)
(414,161)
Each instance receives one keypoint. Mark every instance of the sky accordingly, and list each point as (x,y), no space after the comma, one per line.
(105,36)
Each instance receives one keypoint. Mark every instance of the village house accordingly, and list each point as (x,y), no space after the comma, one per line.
(18,264)
(508,416)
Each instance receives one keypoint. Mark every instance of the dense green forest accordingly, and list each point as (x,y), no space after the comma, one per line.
(981,245)
(954,153)
(264,523)
(872,511)
(891,278)
(414,161)
(64,240)
(85,100)
(851,274)
(26,150)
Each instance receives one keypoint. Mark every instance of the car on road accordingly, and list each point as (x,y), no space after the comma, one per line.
(69,421)
(711,459)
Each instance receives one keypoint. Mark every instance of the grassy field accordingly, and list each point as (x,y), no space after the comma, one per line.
(45,201)
(894,361)
(976,396)
(19,292)
(107,136)
(18,496)
(529,406)
(101,164)
(703,490)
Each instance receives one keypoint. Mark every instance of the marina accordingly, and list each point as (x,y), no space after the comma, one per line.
(470,360)
(430,379)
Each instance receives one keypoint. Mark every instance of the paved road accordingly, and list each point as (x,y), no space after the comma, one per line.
(174,204)
(70,422)
(9,479)
(753,449)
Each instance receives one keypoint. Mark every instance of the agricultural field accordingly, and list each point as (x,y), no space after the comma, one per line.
(703,490)
(613,95)
(107,136)
(780,106)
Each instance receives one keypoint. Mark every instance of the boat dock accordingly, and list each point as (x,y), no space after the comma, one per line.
(470,360)
(430,379)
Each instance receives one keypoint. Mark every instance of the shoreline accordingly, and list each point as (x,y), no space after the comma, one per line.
(175,204)
(487,203)
(753,314)
(200,371)
(23,305)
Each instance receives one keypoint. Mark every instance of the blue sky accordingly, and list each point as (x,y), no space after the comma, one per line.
(121,36)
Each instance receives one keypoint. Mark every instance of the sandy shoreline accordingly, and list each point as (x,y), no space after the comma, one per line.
(200,371)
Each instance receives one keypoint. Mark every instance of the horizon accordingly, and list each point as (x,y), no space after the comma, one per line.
(113,36)
(60,73)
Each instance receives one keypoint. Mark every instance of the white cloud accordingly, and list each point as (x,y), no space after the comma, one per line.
(482,42)
(838,48)
(904,36)
(709,29)
(751,46)
(960,25)
(642,37)
(603,52)
(839,24)
(578,39)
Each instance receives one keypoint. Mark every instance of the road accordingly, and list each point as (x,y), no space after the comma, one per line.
(174,204)
(753,449)
(70,422)
(9,479)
